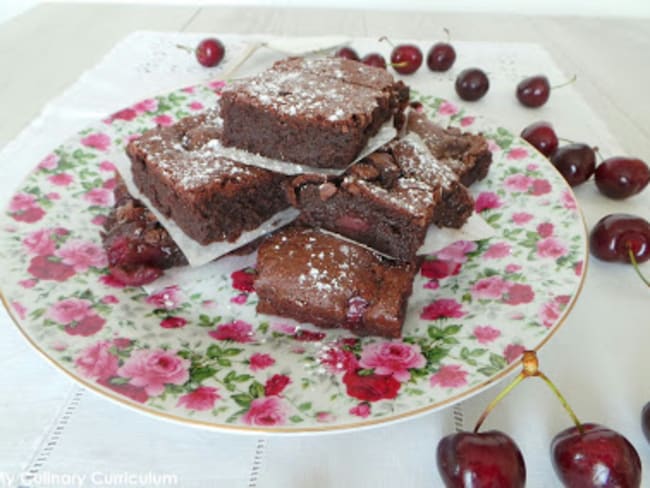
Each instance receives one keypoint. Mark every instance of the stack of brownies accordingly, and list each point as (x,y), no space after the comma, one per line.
(351,257)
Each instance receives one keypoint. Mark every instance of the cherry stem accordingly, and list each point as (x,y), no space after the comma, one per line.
(185,48)
(563,401)
(635,265)
(530,367)
(568,82)
(518,379)
(385,38)
(447,33)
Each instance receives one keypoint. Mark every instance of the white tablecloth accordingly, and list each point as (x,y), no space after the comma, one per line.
(54,433)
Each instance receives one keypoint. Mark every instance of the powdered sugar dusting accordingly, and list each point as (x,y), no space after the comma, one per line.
(291,93)
(325,261)
(191,169)
(424,164)
(332,89)
(409,194)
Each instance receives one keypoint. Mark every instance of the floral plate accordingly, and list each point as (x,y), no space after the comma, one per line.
(206,358)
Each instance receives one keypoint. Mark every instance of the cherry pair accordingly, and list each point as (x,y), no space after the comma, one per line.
(585,455)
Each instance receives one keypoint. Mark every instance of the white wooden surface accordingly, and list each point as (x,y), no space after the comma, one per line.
(47,49)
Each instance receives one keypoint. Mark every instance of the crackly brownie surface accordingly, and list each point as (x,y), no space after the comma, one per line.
(317,112)
(466,154)
(315,277)
(211,197)
(387,201)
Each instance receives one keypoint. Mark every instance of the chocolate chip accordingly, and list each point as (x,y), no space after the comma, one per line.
(388,169)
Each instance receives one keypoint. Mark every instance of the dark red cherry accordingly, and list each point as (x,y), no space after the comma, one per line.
(347,53)
(645,421)
(374,59)
(210,52)
(472,84)
(534,91)
(599,457)
(542,137)
(615,234)
(441,56)
(620,177)
(406,58)
(576,162)
(485,459)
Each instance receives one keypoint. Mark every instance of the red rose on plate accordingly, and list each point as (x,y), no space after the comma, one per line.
(449,376)
(243,280)
(97,361)
(487,200)
(260,361)
(540,186)
(87,326)
(372,387)
(443,308)
(173,323)
(266,412)
(40,242)
(203,398)
(518,293)
(436,269)
(276,384)
(124,114)
(237,331)
(47,268)
(31,215)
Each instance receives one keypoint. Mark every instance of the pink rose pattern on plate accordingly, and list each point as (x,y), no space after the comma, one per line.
(203,353)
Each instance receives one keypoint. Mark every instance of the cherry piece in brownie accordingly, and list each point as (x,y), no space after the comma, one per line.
(210,197)
(387,201)
(317,112)
(315,277)
(465,154)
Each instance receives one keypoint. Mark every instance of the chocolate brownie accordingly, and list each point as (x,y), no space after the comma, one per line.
(387,201)
(137,246)
(211,197)
(466,154)
(317,112)
(311,276)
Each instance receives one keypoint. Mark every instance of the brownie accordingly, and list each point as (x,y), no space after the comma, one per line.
(311,276)
(318,112)
(137,246)
(466,154)
(210,197)
(387,201)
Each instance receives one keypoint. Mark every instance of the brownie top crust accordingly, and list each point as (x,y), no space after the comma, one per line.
(317,262)
(459,150)
(184,154)
(331,89)
(415,184)
(341,69)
